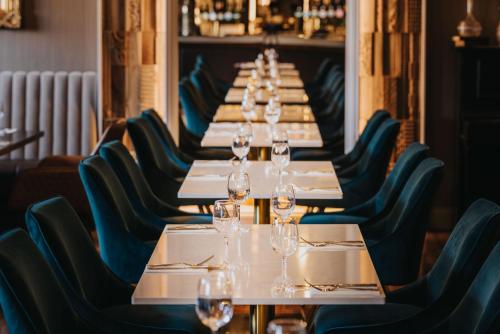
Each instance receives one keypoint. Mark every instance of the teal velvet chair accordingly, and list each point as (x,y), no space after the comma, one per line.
(429,300)
(395,240)
(197,113)
(383,200)
(63,241)
(320,76)
(143,200)
(361,180)
(34,301)
(201,81)
(123,236)
(222,86)
(153,161)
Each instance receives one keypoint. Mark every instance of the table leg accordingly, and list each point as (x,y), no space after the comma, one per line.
(260,315)
(264,153)
(262,213)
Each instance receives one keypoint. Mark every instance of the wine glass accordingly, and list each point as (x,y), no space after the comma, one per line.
(280,136)
(225,220)
(280,156)
(214,305)
(238,189)
(283,201)
(285,241)
(240,145)
(288,326)
(248,106)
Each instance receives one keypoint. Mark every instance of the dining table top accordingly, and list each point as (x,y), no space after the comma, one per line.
(262,96)
(284,72)
(14,139)
(299,134)
(207,179)
(250,65)
(342,266)
(290,113)
(285,82)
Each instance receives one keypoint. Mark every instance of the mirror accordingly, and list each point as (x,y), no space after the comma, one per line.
(10,14)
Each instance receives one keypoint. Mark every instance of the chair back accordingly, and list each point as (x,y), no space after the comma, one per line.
(114,131)
(154,163)
(479,310)
(31,298)
(120,231)
(323,71)
(203,82)
(194,109)
(61,237)
(395,241)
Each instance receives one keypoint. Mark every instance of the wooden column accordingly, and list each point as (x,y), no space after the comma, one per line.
(389,63)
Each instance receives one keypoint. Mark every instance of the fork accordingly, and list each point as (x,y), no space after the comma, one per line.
(315,188)
(334,287)
(353,243)
(192,265)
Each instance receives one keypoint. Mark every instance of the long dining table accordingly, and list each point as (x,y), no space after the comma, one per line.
(332,264)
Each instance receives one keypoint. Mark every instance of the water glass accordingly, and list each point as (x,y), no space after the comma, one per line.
(238,187)
(280,156)
(283,201)
(280,136)
(240,145)
(214,305)
(272,112)
(285,241)
(287,326)
(226,220)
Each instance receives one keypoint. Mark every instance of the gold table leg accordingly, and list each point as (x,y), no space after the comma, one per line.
(264,153)
(260,315)
(262,213)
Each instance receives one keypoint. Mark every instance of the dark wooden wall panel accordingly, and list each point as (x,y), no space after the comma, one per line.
(56,35)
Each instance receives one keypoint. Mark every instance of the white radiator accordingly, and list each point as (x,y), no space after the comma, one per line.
(62,104)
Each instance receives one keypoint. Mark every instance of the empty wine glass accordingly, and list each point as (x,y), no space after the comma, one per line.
(280,136)
(240,145)
(214,305)
(283,201)
(248,106)
(225,220)
(287,326)
(280,156)
(272,112)
(238,189)
(285,241)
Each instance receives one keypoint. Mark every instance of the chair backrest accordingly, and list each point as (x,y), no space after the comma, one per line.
(61,237)
(323,70)
(119,229)
(195,111)
(131,177)
(398,236)
(470,242)
(479,310)
(165,136)
(61,104)
(31,298)
(366,136)
(114,131)
(207,88)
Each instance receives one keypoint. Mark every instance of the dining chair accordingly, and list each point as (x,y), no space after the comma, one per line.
(428,300)
(320,76)
(34,301)
(395,240)
(126,241)
(355,154)
(196,112)
(222,86)
(153,161)
(383,200)
(204,85)
(143,200)
(361,180)
(63,241)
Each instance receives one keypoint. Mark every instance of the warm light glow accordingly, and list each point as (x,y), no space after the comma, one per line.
(306,6)
(252,10)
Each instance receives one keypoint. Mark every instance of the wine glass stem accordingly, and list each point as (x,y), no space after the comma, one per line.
(283,267)
(226,250)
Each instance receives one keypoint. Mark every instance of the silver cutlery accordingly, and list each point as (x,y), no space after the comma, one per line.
(174,264)
(189,228)
(336,286)
(352,243)
(315,188)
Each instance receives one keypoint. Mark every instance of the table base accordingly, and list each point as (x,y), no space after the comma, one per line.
(262,213)
(260,315)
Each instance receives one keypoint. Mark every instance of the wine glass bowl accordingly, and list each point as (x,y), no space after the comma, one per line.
(280,156)
(214,305)
(225,218)
(288,326)
(285,241)
(240,145)
(283,201)
(238,187)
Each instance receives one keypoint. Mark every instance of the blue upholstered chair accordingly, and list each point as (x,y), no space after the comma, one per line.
(395,240)
(361,180)
(197,113)
(34,301)
(154,163)
(121,232)
(430,299)
(205,86)
(346,159)
(143,200)
(320,76)
(221,85)
(62,239)
(383,200)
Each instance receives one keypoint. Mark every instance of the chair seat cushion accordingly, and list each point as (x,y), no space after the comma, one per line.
(174,317)
(340,316)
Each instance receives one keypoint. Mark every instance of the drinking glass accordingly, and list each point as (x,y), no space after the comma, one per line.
(287,326)
(283,201)
(272,112)
(240,145)
(248,106)
(285,241)
(238,187)
(280,136)
(214,305)
(225,220)
(280,156)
